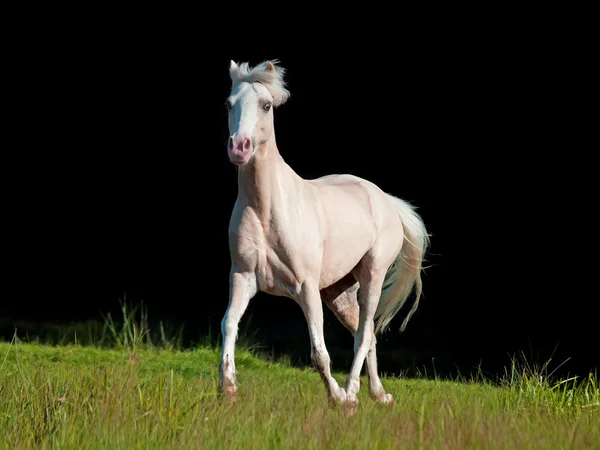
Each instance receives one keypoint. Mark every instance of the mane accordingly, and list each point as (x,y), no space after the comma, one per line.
(273,80)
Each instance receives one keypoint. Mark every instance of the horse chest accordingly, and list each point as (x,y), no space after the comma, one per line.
(276,272)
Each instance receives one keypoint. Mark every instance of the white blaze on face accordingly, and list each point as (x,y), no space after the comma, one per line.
(244,114)
(250,120)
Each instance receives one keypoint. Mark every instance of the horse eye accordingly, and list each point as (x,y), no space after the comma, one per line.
(228,105)
(267,106)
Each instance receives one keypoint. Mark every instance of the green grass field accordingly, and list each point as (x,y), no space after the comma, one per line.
(136,395)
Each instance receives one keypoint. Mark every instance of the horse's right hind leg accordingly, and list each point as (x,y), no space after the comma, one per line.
(342,299)
(376,390)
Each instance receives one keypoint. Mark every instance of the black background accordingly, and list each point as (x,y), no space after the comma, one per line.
(116,179)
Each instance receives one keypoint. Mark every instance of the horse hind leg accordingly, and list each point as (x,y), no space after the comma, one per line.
(342,299)
(376,390)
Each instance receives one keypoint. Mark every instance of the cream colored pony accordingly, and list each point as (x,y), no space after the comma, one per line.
(338,239)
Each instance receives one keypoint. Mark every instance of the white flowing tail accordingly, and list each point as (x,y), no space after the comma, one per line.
(405,272)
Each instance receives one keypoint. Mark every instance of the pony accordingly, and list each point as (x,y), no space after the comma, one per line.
(338,240)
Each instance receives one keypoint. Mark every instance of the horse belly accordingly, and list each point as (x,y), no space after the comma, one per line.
(351,230)
(341,253)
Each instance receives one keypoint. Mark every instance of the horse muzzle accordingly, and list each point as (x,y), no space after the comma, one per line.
(239,149)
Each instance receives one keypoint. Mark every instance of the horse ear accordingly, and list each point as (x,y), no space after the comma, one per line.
(270,66)
(233,71)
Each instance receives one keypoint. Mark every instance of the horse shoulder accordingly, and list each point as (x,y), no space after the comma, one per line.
(246,237)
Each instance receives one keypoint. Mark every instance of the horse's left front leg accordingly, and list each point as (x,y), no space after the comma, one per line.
(310,302)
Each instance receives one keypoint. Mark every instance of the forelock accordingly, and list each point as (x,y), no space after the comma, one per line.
(267,73)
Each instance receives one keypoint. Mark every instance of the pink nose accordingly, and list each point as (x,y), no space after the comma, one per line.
(239,148)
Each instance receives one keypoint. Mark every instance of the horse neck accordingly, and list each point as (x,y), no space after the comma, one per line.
(261,182)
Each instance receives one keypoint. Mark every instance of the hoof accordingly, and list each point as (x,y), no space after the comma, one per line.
(388,400)
(336,398)
(227,393)
(228,397)
(383,399)
(350,407)
(350,404)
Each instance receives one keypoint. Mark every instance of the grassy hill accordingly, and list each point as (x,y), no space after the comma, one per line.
(133,395)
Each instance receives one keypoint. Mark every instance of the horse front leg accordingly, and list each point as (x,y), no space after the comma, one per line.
(310,302)
(242,287)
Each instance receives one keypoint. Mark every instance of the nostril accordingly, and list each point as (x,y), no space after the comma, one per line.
(230,143)
(246,144)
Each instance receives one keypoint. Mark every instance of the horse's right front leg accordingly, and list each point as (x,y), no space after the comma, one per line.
(242,287)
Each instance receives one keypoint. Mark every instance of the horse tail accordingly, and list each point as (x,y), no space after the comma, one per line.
(404,273)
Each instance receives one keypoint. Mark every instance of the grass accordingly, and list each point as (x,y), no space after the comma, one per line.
(129,391)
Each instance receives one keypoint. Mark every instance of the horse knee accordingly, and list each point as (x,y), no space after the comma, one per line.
(320,359)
